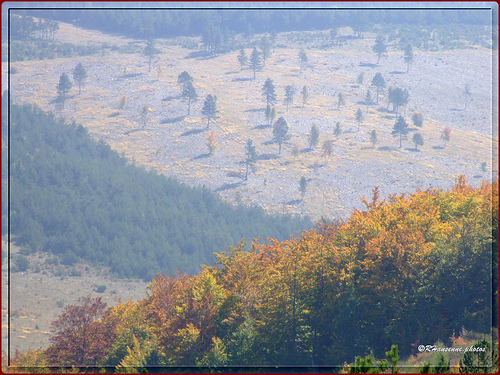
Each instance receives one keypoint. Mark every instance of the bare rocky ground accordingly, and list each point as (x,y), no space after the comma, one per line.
(175,144)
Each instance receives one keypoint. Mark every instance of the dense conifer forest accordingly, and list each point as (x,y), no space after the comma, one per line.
(78,199)
(413,270)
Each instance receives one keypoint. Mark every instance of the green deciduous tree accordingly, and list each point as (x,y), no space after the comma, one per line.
(255,62)
(418,119)
(280,132)
(379,47)
(418,140)
(379,82)
(400,128)
(210,108)
(79,75)
(268,92)
(313,136)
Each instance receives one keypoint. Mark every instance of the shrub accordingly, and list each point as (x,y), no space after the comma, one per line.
(21,263)
(101,288)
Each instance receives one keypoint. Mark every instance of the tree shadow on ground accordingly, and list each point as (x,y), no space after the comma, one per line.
(172,120)
(305,150)
(385,148)
(198,55)
(116,114)
(397,72)
(412,149)
(268,156)
(132,131)
(241,79)
(456,109)
(267,143)
(192,132)
(255,110)
(438,147)
(130,75)
(367,148)
(228,186)
(367,64)
(171,97)
(202,156)
(260,127)
(293,202)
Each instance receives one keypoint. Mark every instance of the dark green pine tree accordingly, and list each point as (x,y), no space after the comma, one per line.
(255,62)
(268,92)
(189,92)
(63,88)
(150,51)
(280,132)
(379,82)
(379,47)
(302,186)
(289,94)
(183,79)
(313,136)
(400,128)
(242,58)
(79,75)
(250,158)
(210,108)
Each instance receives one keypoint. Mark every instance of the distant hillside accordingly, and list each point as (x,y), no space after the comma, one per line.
(76,198)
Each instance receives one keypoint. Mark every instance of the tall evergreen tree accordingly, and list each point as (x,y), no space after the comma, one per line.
(418,140)
(280,132)
(183,79)
(379,82)
(289,94)
(242,58)
(359,117)
(265,47)
(305,95)
(313,136)
(189,92)
(400,128)
(210,108)
(79,75)
(255,62)
(379,47)
(303,186)
(373,138)
(63,88)
(250,158)
(467,94)
(150,51)
(302,59)
(269,92)
(408,56)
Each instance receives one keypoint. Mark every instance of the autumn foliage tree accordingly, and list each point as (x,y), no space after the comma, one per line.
(82,338)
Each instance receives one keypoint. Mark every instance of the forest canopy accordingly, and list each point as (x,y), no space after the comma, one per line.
(78,199)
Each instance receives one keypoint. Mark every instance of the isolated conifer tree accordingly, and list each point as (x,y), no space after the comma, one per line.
(183,79)
(269,92)
(313,136)
(446,135)
(360,78)
(373,137)
(327,149)
(289,94)
(242,58)
(400,128)
(189,92)
(379,82)
(280,132)
(250,157)
(408,56)
(379,47)
(150,51)
(210,108)
(368,100)
(63,88)
(467,94)
(302,186)
(255,62)
(79,75)
(302,59)
(359,117)
(338,130)
(265,47)
(341,100)
(305,95)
